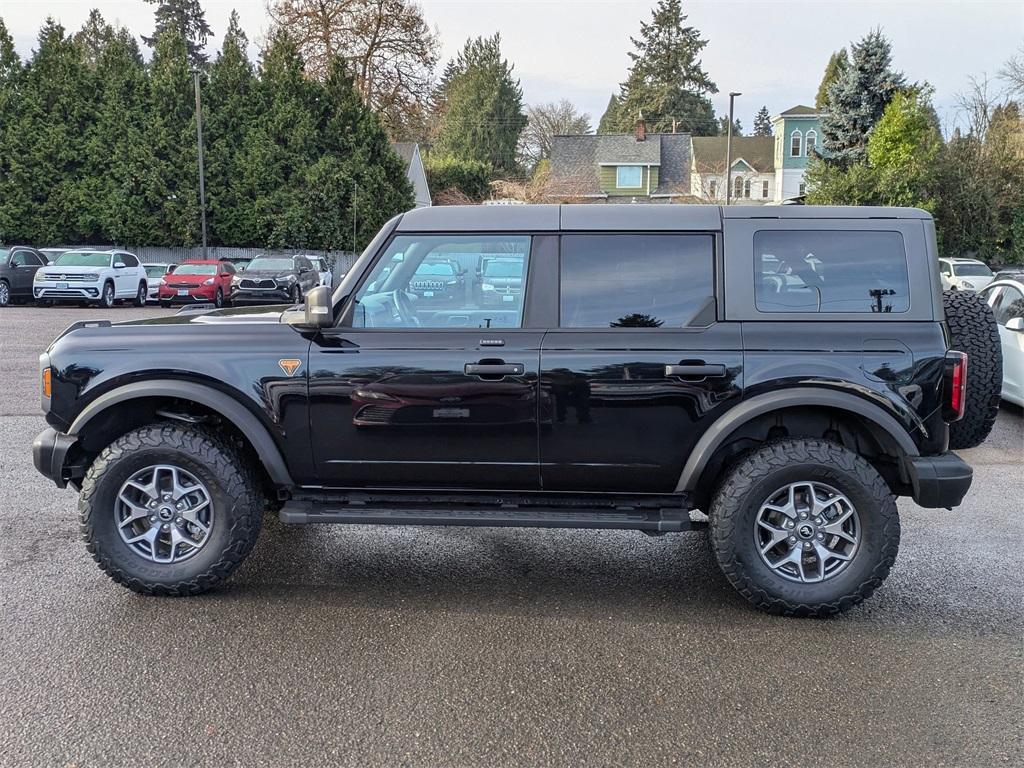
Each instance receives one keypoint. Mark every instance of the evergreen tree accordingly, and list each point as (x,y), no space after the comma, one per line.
(610,119)
(118,202)
(836,68)
(857,100)
(171,136)
(666,81)
(723,126)
(47,141)
(281,143)
(230,106)
(11,200)
(483,115)
(187,19)
(762,122)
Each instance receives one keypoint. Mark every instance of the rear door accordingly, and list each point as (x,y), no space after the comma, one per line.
(639,366)
(412,392)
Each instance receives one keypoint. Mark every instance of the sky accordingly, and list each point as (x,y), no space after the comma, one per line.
(774,53)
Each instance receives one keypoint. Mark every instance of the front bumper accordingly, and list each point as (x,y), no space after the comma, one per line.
(260,296)
(939,481)
(199,294)
(76,292)
(49,454)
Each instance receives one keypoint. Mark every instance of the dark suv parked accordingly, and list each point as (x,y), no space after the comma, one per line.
(274,279)
(784,369)
(18,266)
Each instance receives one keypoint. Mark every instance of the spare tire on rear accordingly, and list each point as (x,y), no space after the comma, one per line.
(973,330)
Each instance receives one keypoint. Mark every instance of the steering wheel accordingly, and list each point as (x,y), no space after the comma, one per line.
(405,308)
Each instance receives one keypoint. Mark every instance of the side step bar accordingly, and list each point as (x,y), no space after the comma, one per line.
(299,512)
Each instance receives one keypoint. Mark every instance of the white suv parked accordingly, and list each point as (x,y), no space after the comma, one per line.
(97,277)
(964,274)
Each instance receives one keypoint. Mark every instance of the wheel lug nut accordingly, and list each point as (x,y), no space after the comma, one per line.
(821,536)
(152,504)
(803,515)
(167,496)
(807,545)
(180,521)
(792,539)
(152,518)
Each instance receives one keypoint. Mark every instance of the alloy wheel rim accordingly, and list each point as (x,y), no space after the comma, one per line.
(164,514)
(5,294)
(807,532)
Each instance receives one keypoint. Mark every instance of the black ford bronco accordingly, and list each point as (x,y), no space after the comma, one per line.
(787,370)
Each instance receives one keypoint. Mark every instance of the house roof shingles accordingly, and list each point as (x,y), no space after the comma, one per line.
(799,110)
(756,151)
(575,160)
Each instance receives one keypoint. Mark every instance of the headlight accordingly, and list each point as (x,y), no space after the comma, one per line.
(236,280)
(91,277)
(208,282)
(486,287)
(287,279)
(38,277)
(968,284)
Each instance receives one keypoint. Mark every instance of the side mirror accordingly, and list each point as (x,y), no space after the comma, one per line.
(1015,324)
(318,307)
(118,265)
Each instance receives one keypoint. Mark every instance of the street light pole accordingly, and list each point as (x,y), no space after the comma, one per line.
(202,173)
(728,152)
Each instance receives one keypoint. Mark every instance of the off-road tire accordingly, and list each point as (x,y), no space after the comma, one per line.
(237,500)
(140,296)
(754,478)
(973,330)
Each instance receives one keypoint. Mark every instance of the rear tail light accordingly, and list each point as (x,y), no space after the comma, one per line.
(954,386)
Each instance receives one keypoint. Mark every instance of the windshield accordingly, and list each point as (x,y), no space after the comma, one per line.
(440,270)
(503,268)
(4,253)
(270,265)
(971,270)
(156,270)
(83,259)
(196,269)
(318,263)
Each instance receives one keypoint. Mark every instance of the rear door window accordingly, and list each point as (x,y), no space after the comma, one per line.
(830,271)
(635,281)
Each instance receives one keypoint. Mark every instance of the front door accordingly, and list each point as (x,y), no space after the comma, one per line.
(639,366)
(429,389)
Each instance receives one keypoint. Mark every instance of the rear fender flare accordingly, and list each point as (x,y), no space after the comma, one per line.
(719,432)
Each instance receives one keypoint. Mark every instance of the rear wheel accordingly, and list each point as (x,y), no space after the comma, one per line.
(140,296)
(973,330)
(804,527)
(5,293)
(170,510)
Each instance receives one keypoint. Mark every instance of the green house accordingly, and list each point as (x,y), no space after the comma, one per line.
(797,137)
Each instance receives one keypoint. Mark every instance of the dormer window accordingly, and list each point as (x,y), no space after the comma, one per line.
(795,144)
(629,177)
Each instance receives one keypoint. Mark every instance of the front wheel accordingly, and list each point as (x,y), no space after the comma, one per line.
(218,299)
(170,510)
(804,527)
(296,294)
(107,296)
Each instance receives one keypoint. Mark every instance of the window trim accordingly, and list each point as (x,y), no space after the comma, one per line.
(809,145)
(764,189)
(796,134)
(618,177)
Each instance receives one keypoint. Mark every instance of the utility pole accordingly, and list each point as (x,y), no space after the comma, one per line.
(728,152)
(202,173)
(355,194)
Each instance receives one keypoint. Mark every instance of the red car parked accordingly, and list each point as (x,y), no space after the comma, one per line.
(198,282)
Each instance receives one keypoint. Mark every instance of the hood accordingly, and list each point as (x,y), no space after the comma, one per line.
(67,270)
(264,273)
(219,317)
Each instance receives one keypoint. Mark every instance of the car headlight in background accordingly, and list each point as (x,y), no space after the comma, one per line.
(285,279)
(91,277)
(236,280)
(208,282)
(968,284)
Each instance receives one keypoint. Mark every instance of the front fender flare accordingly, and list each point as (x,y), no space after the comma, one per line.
(736,417)
(248,424)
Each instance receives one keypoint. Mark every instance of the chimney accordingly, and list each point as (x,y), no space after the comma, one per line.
(641,126)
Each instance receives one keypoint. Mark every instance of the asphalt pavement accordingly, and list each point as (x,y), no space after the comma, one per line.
(485,647)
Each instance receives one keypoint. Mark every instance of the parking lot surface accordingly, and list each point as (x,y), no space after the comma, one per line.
(466,647)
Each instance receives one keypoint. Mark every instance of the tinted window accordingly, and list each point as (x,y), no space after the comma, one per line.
(409,287)
(635,281)
(23,258)
(1008,305)
(829,271)
(128,260)
(972,270)
(271,265)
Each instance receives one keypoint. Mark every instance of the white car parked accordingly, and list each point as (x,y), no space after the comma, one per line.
(320,265)
(1006,297)
(964,274)
(96,277)
(155,274)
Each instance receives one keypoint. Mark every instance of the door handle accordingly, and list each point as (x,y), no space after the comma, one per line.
(495,369)
(696,369)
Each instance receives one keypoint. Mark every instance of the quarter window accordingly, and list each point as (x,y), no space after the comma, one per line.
(818,271)
(1009,305)
(629,177)
(634,281)
(446,281)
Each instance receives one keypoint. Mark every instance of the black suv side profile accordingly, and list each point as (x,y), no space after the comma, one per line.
(778,375)
(18,267)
